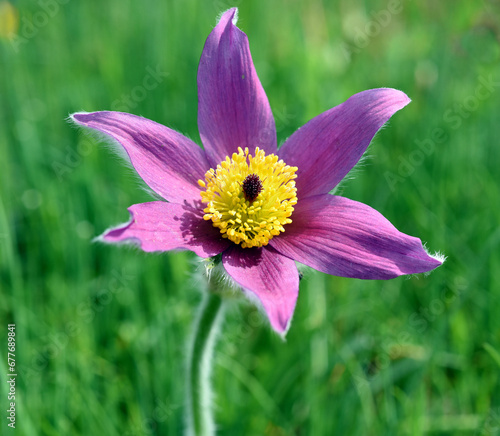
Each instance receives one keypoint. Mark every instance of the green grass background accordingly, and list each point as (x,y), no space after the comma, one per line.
(101,330)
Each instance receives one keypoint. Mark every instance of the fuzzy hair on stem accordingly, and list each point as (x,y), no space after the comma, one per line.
(199,420)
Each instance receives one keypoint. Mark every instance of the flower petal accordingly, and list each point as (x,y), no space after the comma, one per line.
(233,109)
(345,238)
(328,146)
(162,226)
(167,161)
(268,275)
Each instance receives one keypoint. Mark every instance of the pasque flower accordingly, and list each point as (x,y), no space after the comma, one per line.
(260,207)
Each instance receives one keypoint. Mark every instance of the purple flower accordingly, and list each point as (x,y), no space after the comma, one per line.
(261,208)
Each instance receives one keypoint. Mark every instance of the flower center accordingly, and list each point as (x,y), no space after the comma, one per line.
(252,187)
(249,198)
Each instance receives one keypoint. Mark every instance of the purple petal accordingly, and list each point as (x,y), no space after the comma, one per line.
(327,147)
(345,238)
(233,109)
(162,226)
(271,277)
(167,161)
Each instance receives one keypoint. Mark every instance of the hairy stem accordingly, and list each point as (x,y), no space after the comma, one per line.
(200,421)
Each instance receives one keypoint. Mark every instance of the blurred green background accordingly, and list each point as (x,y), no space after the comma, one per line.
(101,330)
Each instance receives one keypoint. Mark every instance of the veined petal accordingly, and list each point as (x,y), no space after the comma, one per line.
(328,146)
(345,238)
(268,275)
(162,226)
(233,109)
(167,161)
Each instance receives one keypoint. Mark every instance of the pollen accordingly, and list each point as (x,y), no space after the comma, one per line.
(249,198)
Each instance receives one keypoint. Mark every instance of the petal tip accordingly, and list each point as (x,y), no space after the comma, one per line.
(438,257)
(430,263)
(268,279)
(279,321)
(98,239)
(114,235)
(231,13)
(397,97)
(107,239)
(281,329)
(402,97)
(77,117)
(279,324)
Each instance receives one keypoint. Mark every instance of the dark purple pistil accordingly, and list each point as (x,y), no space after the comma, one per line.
(252,187)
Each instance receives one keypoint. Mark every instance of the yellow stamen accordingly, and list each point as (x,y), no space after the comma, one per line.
(250,223)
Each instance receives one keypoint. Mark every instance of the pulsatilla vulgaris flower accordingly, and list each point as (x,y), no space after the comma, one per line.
(261,208)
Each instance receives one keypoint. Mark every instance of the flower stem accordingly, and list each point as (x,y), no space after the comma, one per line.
(200,421)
